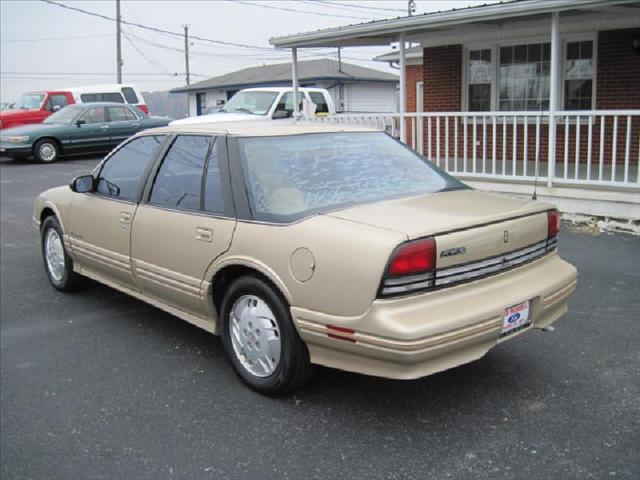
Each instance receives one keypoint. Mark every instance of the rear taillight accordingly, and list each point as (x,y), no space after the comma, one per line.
(144,108)
(411,268)
(553,228)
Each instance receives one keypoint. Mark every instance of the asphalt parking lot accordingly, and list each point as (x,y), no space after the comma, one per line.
(97,385)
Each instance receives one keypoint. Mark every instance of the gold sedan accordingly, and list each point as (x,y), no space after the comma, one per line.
(307,244)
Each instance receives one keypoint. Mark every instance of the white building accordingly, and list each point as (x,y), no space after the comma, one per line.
(353,88)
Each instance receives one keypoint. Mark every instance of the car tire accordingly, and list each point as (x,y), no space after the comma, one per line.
(46,150)
(57,263)
(252,312)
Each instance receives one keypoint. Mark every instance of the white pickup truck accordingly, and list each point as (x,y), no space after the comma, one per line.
(267,103)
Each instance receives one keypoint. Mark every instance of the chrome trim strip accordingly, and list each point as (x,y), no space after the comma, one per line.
(409,279)
(470,271)
(407,288)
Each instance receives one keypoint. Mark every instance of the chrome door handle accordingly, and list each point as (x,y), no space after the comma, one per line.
(204,234)
(135,125)
(104,127)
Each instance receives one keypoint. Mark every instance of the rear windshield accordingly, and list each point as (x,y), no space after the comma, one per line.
(291,177)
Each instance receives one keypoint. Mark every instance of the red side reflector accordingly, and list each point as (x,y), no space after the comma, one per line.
(554,223)
(342,330)
(414,257)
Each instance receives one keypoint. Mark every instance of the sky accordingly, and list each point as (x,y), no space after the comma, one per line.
(44,46)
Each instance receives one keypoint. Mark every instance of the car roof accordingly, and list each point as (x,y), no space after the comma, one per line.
(99,104)
(280,89)
(260,128)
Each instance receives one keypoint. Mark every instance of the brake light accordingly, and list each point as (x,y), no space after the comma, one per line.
(554,223)
(553,228)
(144,108)
(411,268)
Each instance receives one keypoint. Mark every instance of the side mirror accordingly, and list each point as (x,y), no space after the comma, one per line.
(80,122)
(56,108)
(279,114)
(82,184)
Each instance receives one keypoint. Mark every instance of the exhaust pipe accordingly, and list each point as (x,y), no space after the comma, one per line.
(548,329)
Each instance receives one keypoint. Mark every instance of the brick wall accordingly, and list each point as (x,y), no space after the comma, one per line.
(442,71)
(618,72)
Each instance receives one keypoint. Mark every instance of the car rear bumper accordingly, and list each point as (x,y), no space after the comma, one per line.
(415,336)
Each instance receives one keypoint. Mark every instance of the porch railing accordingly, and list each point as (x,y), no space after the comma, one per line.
(599,147)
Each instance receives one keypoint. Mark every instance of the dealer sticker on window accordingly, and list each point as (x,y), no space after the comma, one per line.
(515,318)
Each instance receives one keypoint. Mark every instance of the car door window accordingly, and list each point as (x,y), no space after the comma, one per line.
(320,101)
(59,100)
(286,102)
(121,114)
(179,180)
(122,175)
(93,115)
(213,200)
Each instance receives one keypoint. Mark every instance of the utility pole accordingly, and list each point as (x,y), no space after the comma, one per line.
(186,51)
(339,61)
(119,61)
(411,7)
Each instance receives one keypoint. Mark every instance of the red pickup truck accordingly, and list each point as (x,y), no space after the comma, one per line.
(34,108)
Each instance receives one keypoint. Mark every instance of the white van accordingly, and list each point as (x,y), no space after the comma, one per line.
(122,93)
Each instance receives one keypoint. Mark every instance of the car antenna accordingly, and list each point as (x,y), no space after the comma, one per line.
(535,180)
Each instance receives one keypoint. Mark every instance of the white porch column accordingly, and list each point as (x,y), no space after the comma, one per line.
(294,81)
(403,90)
(553,95)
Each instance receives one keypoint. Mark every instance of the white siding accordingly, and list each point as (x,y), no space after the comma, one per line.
(370,97)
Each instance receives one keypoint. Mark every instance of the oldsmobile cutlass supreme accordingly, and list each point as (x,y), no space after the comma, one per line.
(308,244)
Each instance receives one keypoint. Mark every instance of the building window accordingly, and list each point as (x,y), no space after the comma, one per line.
(524,77)
(578,74)
(480,80)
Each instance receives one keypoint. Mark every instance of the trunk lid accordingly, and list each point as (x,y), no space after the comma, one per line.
(468,225)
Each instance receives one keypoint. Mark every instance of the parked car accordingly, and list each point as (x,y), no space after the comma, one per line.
(267,103)
(79,128)
(309,244)
(36,106)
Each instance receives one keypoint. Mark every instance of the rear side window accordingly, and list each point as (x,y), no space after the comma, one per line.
(90,97)
(121,114)
(102,97)
(122,175)
(112,97)
(320,101)
(178,183)
(129,94)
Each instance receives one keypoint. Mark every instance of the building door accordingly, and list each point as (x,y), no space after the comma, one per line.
(201,103)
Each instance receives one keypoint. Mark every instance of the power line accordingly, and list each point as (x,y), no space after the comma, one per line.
(365,7)
(285,9)
(154,29)
(348,9)
(14,40)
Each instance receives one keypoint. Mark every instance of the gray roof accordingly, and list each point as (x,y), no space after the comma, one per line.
(385,31)
(277,74)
